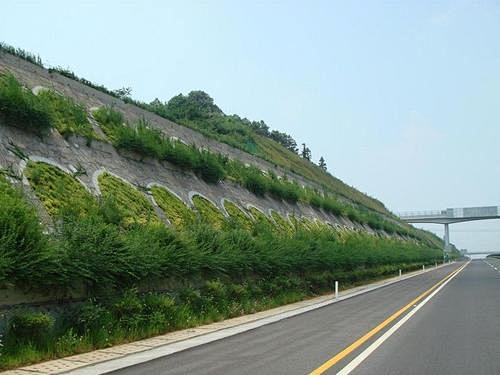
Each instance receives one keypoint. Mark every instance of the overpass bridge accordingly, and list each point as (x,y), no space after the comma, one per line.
(481,252)
(450,216)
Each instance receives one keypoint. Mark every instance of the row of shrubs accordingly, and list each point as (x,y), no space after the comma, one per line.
(21,53)
(101,322)
(92,248)
(150,142)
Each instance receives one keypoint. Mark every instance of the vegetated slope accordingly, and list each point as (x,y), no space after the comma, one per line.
(272,150)
(137,276)
(198,111)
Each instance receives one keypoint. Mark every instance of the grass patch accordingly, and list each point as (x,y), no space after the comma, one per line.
(175,209)
(209,212)
(19,107)
(56,189)
(283,224)
(68,116)
(134,207)
(261,218)
(238,215)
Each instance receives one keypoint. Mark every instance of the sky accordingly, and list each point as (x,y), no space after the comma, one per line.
(402,99)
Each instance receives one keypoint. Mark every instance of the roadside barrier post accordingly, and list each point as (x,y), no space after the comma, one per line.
(423,267)
(436,265)
(336,289)
(399,273)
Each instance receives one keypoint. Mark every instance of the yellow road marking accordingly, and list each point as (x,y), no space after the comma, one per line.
(356,344)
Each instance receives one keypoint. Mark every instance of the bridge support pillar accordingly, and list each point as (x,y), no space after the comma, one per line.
(446,236)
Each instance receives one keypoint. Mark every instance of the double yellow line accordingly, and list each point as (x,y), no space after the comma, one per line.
(367,336)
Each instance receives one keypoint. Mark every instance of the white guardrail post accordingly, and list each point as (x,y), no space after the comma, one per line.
(336,289)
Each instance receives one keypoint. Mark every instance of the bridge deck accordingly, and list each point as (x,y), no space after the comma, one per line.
(452,215)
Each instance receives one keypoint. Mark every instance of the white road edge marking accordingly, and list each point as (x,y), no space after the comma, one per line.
(361,357)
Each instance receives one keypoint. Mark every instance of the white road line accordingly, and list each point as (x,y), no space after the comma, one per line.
(361,357)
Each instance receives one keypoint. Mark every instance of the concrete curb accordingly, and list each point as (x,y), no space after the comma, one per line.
(121,356)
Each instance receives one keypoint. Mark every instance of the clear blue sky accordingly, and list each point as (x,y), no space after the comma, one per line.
(401,98)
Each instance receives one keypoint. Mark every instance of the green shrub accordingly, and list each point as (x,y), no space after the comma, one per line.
(68,116)
(332,206)
(284,190)
(90,317)
(33,327)
(109,119)
(141,139)
(215,294)
(179,154)
(22,244)
(209,168)
(21,108)
(193,299)
(176,210)
(94,254)
(129,310)
(145,140)
(254,181)
(160,311)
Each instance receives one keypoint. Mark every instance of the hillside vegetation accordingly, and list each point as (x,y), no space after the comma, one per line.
(218,267)
(198,111)
(142,261)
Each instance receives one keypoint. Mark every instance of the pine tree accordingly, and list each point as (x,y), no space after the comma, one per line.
(322,163)
(306,152)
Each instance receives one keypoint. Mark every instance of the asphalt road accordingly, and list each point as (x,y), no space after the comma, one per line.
(456,332)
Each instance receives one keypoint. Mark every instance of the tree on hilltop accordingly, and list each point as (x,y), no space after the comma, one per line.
(306,152)
(322,163)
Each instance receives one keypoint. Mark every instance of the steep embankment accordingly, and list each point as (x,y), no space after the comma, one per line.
(149,226)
